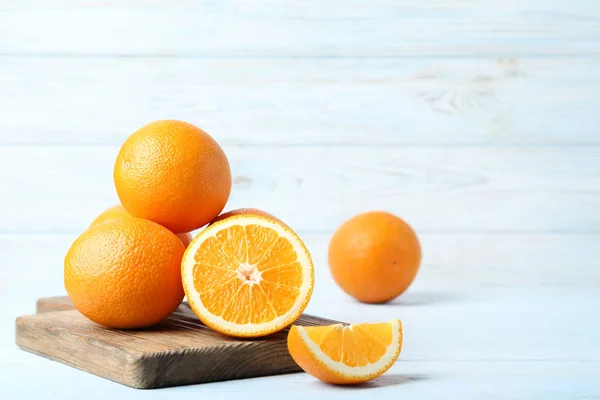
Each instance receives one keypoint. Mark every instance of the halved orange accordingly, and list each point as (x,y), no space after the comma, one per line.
(345,355)
(247,275)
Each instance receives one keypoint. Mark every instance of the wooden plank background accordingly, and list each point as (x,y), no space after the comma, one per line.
(379,28)
(285,101)
(475,120)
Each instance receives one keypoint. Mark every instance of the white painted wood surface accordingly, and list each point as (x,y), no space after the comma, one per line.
(475,120)
(436,189)
(423,101)
(306,28)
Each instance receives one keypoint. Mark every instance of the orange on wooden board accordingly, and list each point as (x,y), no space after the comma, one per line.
(247,275)
(346,354)
(374,256)
(119,212)
(173,173)
(125,273)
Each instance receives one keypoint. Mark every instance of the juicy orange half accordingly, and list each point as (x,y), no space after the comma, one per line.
(346,354)
(247,275)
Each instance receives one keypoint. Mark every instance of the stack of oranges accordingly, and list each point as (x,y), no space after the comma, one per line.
(246,273)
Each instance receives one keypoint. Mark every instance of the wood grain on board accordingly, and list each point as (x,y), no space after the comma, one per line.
(516,342)
(177,351)
(287,102)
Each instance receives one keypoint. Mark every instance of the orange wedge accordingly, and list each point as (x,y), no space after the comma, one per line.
(247,275)
(346,355)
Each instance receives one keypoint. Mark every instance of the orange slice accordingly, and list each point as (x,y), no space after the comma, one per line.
(247,275)
(346,354)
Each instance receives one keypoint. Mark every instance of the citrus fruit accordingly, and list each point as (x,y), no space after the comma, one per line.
(241,211)
(247,275)
(374,256)
(346,354)
(113,212)
(186,238)
(125,273)
(173,173)
(119,212)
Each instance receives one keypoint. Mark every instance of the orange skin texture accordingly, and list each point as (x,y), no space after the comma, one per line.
(185,238)
(119,212)
(374,257)
(173,173)
(125,273)
(242,211)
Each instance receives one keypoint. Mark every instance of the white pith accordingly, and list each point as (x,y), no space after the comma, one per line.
(356,372)
(249,274)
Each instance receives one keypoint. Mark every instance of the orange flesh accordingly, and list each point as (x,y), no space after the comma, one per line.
(247,274)
(360,348)
(356,345)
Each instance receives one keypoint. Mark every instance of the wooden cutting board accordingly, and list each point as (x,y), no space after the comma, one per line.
(178,351)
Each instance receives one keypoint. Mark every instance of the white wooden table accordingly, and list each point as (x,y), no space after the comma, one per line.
(475,120)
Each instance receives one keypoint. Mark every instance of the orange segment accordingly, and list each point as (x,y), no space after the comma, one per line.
(264,310)
(318,333)
(237,309)
(346,354)
(280,254)
(217,297)
(285,274)
(213,254)
(281,298)
(262,240)
(380,332)
(230,243)
(331,343)
(247,275)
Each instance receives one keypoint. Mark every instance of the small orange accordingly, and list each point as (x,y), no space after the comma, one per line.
(374,256)
(173,173)
(119,212)
(346,354)
(247,275)
(125,273)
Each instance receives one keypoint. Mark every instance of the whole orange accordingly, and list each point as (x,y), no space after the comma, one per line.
(242,211)
(173,173)
(111,213)
(119,212)
(374,256)
(125,273)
